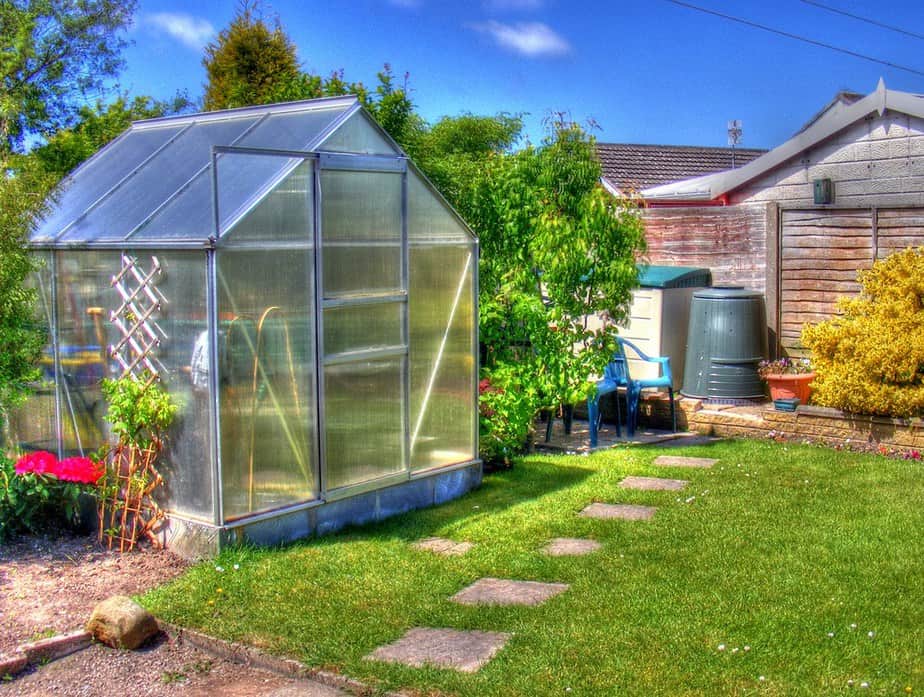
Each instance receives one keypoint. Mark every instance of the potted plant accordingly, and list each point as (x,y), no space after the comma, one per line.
(788,378)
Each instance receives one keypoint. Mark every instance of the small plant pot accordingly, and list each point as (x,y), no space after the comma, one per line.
(796,386)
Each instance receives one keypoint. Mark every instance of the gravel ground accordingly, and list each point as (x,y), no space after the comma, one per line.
(50,585)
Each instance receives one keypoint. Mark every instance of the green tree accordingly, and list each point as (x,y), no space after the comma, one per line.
(250,63)
(54,52)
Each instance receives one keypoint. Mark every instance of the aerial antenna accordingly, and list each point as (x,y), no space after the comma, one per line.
(734,137)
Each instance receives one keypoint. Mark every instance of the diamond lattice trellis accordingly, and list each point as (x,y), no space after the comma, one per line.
(136,320)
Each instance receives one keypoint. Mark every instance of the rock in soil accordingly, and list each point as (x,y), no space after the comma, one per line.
(121,623)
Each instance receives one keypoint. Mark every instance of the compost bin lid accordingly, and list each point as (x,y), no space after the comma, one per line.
(673,276)
(727,292)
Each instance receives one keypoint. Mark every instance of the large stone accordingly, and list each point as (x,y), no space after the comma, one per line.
(121,623)
(570,547)
(653,484)
(440,545)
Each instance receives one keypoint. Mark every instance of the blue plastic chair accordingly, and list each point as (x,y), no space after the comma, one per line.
(615,376)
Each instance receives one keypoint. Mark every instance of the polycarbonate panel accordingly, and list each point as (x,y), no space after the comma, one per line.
(285,214)
(292,130)
(85,299)
(100,174)
(266,379)
(358,135)
(32,424)
(362,327)
(157,181)
(363,417)
(429,218)
(361,232)
(441,311)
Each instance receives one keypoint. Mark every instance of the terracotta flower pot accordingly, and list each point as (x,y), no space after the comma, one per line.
(788,386)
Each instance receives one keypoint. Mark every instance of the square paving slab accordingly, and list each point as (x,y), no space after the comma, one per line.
(653,483)
(502,591)
(571,547)
(620,511)
(440,545)
(678,461)
(443,648)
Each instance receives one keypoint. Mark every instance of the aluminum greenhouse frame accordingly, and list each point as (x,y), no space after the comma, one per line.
(314,314)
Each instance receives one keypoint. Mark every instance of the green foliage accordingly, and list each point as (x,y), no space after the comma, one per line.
(870,358)
(34,503)
(249,63)
(54,52)
(556,250)
(21,337)
(139,412)
(506,408)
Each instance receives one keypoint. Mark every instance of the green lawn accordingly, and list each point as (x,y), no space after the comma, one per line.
(781,546)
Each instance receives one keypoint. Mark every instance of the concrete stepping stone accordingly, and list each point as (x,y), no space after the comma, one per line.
(571,547)
(502,591)
(443,648)
(653,484)
(679,461)
(440,545)
(618,511)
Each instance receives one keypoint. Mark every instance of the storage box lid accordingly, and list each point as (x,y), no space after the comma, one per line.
(673,277)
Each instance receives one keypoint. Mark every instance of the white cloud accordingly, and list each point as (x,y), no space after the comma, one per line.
(512,5)
(193,32)
(529,38)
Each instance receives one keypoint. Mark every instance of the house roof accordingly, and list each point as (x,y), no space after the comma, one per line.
(836,117)
(153,184)
(629,166)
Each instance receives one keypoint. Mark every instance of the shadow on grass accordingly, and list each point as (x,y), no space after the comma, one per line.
(500,490)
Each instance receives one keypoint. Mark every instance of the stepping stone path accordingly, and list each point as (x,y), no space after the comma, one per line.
(443,648)
(677,461)
(440,545)
(621,511)
(653,484)
(502,591)
(570,547)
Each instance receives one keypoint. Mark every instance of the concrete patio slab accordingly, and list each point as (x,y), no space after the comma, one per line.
(440,545)
(502,591)
(679,461)
(618,511)
(653,484)
(571,547)
(443,648)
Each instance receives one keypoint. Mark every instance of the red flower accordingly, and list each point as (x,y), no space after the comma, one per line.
(72,469)
(79,469)
(40,462)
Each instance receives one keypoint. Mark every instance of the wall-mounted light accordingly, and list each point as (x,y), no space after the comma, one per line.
(823,190)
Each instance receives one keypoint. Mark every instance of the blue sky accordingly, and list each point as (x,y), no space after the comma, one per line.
(646,71)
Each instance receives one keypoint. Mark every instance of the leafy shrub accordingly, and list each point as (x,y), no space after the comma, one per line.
(139,411)
(506,407)
(870,359)
(40,492)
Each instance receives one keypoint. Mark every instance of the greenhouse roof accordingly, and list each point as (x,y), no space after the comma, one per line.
(153,184)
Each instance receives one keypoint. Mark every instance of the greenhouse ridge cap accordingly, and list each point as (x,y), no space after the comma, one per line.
(242,112)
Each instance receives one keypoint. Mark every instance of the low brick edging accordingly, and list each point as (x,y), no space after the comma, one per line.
(811,423)
(48,649)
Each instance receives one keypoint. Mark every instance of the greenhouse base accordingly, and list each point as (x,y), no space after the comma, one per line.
(197,540)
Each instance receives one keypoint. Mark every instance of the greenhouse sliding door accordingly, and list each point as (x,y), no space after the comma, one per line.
(364,320)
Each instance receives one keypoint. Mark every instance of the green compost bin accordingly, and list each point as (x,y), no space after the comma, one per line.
(726,340)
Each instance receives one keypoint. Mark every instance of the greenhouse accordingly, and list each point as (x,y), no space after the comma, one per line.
(301,291)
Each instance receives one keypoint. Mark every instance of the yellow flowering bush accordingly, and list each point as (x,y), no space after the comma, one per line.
(870,359)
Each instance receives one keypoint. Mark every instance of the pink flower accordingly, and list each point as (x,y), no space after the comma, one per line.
(79,469)
(40,462)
